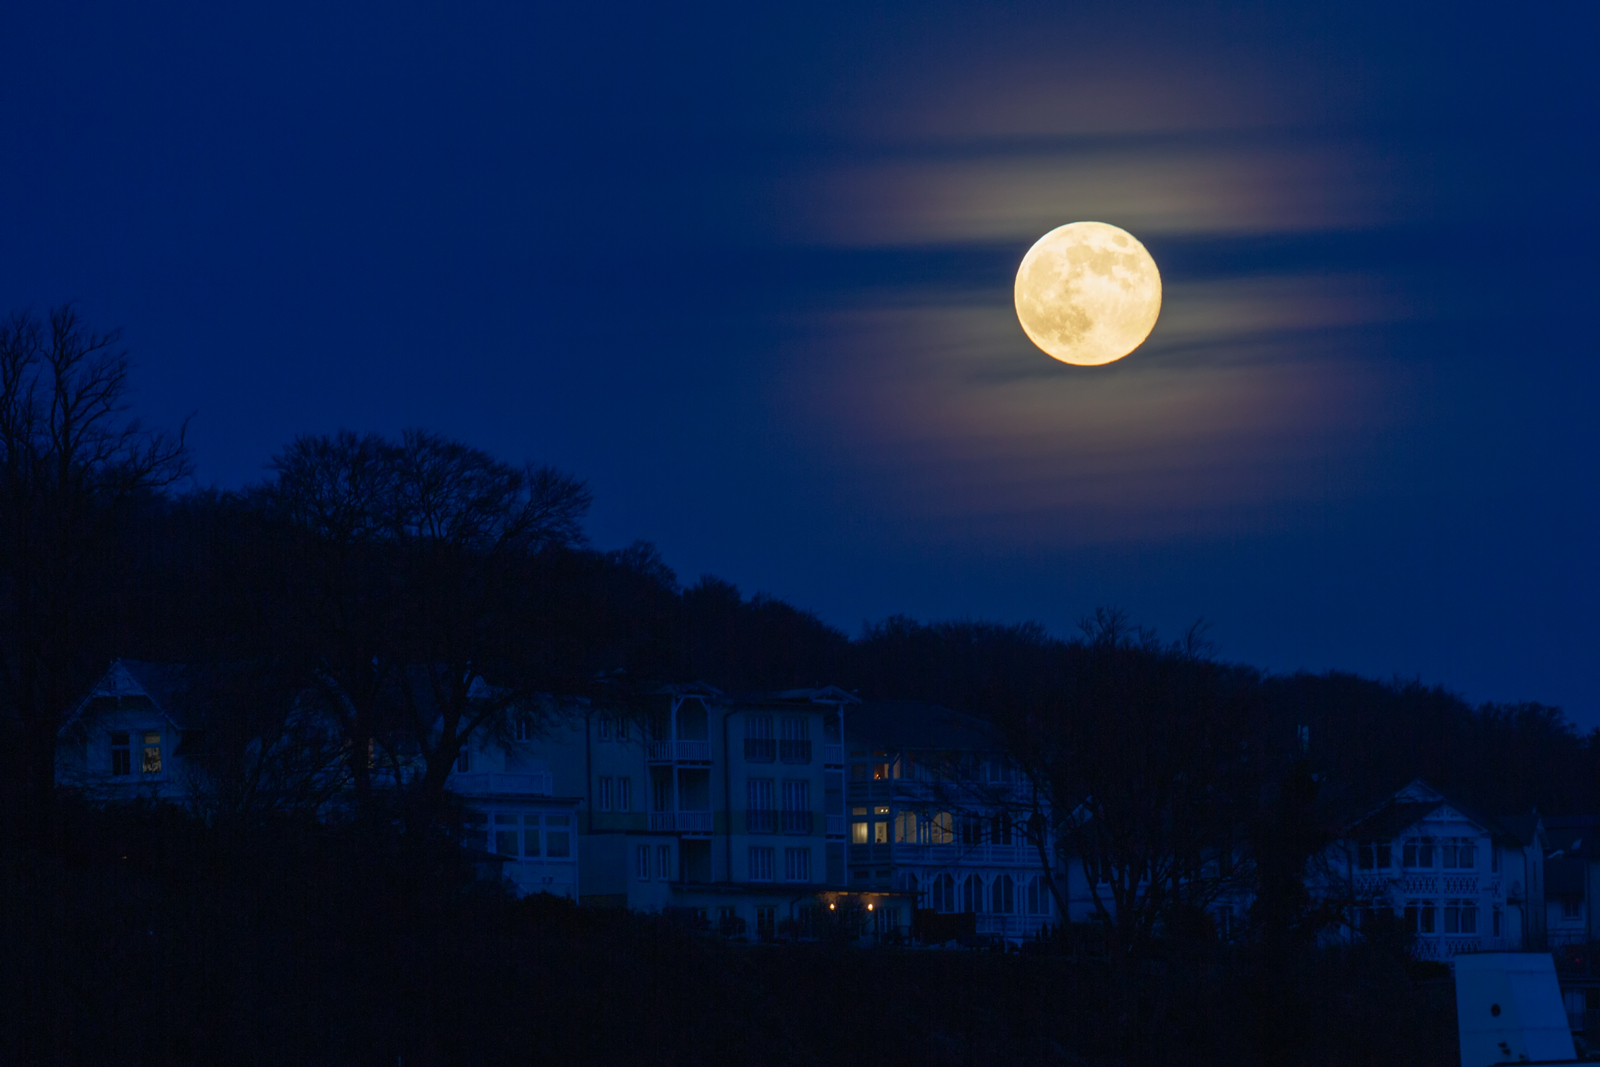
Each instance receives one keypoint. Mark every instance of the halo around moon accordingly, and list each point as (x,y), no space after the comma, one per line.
(1088,293)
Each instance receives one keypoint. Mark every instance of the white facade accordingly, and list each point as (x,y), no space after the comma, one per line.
(1458,882)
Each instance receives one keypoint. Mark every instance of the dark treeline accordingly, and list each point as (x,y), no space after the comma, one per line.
(387,575)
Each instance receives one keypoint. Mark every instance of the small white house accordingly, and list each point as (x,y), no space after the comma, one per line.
(126,739)
(1459,882)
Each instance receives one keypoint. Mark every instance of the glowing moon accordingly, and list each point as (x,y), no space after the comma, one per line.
(1088,293)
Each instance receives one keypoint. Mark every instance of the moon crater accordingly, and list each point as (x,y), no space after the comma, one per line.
(1088,293)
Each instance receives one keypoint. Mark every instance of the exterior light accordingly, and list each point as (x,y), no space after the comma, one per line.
(830,907)
(870,907)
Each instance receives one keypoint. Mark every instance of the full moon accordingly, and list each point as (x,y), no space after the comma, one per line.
(1088,293)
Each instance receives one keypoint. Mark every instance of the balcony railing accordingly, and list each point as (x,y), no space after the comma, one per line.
(794,751)
(684,822)
(761,822)
(991,855)
(797,822)
(760,749)
(836,826)
(678,751)
(536,784)
(833,755)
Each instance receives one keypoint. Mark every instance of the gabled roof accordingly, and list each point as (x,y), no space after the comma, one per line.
(160,683)
(1391,820)
(889,725)
(1417,800)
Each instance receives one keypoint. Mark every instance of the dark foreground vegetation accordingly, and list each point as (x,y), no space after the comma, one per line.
(242,928)
(156,940)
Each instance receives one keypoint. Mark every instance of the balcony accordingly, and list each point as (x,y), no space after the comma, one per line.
(760,749)
(794,751)
(797,822)
(678,752)
(683,822)
(761,822)
(536,784)
(833,755)
(836,826)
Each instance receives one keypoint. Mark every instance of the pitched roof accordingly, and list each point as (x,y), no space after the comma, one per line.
(1392,819)
(160,683)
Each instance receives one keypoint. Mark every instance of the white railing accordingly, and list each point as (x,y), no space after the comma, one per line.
(998,855)
(682,751)
(836,826)
(833,755)
(539,784)
(1461,884)
(684,822)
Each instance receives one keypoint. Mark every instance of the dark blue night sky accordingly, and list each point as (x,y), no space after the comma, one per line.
(747,269)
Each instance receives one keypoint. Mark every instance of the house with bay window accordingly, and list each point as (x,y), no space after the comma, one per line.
(1459,882)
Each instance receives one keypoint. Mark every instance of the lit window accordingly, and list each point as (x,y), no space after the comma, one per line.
(121,753)
(151,763)
(941,829)
(905,828)
(880,833)
(859,832)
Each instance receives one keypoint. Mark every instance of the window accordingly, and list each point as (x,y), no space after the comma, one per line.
(796,806)
(664,862)
(1495,919)
(860,772)
(1385,859)
(1420,917)
(795,746)
(905,828)
(622,729)
(880,832)
(944,893)
(1038,896)
(557,843)
(941,829)
(605,793)
(796,728)
(464,760)
(766,921)
(760,863)
(508,835)
(1000,829)
(1447,853)
(759,747)
(1571,908)
(1425,854)
(1467,855)
(475,832)
(624,794)
(1469,918)
(603,728)
(1002,895)
(797,864)
(971,827)
(121,753)
(522,728)
(759,815)
(860,828)
(151,762)
(972,894)
(1418,854)
(641,863)
(1494,864)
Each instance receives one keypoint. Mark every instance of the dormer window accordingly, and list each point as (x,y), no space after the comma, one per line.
(150,763)
(121,753)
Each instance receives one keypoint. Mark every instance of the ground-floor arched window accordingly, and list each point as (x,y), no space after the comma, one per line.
(972,894)
(1003,895)
(1038,896)
(944,893)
